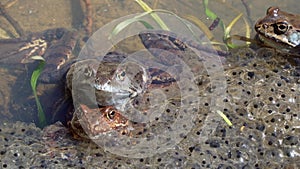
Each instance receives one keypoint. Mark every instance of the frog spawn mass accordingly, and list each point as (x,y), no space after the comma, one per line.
(261,104)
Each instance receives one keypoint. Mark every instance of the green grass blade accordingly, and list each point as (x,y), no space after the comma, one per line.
(127,22)
(224,117)
(34,77)
(208,12)
(228,28)
(157,19)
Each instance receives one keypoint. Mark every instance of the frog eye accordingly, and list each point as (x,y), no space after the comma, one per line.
(121,75)
(280,28)
(111,114)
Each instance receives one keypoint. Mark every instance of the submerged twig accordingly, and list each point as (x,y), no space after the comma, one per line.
(248,11)
(5,33)
(88,17)
(13,22)
(10,3)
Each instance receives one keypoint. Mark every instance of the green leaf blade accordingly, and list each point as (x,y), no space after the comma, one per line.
(34,77)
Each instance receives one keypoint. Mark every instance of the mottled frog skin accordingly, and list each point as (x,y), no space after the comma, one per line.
(110,82)
(89,123)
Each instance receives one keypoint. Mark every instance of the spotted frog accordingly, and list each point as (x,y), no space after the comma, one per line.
(280,30)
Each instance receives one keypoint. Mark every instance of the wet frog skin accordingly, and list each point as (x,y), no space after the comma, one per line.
(89,123)
(108,81)
(280,30)
(109,86)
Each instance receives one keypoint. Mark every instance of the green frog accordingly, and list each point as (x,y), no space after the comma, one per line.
(280,30)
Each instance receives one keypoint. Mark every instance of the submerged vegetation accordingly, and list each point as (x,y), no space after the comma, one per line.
(33,81)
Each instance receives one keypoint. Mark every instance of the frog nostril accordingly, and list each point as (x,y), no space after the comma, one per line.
(60,63)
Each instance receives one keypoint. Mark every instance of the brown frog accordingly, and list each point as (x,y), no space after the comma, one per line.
(106,87)
(88,122)
(280,30)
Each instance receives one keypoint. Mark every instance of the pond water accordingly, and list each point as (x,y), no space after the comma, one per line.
(260,97)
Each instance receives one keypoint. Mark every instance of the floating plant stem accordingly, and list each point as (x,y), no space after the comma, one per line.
(227,37)
(201,25)
(127,22)
(227,31)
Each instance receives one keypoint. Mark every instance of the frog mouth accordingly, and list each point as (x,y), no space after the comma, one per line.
(119,91)
(273,42)
(117,88)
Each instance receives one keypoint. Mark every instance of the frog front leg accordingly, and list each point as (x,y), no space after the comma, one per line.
(59,56)
(54,45)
